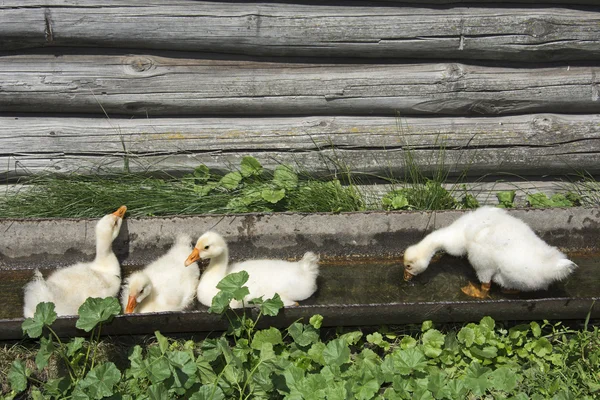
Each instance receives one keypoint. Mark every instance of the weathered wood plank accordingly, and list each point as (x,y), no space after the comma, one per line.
(527,145)
(153,86)
(276,29)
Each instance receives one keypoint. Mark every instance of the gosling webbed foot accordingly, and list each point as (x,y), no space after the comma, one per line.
(473,291)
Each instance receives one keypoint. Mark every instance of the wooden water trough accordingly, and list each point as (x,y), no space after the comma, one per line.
(361,273)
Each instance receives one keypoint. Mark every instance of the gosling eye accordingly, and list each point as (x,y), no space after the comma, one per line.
(206,247)
(408,266)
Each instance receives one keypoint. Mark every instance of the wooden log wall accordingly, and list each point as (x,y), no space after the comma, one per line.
(503,87)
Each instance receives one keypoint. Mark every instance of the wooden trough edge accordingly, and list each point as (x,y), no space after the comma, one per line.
(368,30)
(334,315)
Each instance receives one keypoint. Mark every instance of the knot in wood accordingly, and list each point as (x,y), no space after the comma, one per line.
(139,64)
(541,123)
(453,72)
(537,28)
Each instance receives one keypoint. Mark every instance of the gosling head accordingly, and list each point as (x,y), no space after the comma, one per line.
(138,287)
(415,262)
(209,245)
(109,226)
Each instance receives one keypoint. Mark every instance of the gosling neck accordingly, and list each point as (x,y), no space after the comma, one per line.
(104,248)
(218,265)
(432,243)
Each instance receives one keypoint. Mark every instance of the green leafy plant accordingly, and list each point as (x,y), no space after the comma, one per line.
(540,199)
(85,380)
(506,199)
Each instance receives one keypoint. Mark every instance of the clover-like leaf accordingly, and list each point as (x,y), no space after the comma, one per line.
(95,311)
(506,198)
(271,306)
(231,180)
(44,316)
(336,352)
(250,166)
(272,195)
(542,347)
(17,376)
(100,381)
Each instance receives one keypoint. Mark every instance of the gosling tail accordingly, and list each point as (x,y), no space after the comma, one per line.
(36,291)
(310,264)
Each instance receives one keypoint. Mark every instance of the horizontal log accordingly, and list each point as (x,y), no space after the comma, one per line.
(275,29)
(153,86)
(528,145)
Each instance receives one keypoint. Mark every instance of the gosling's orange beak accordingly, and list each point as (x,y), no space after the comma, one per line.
(131,304)
(407,275)
(120,212)
(192,258)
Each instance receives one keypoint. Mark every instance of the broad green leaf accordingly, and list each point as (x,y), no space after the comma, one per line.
(485,352)
(352,338)
(203,190)
(201,173)
(285,177)
(504,379)
(466,336)
(303,335)
(44,316)
(250,166)
(407,342)
(99,382)
(433,340)
(208,392)
(426,325)
(44,353)
(367,390)
(409,360)
(399,202)
(273,195)
(535,328)
(266,352)
(457,389)
(316,321)
(272,306)
(336,391)
(95,311)
(158,369)
(505,199)
(231,180)
(542,347)
(74,346)
(157,391)
(271,335)
(163,342)
(183,361)
(316,352)
(220,303)
(137,367)
(487,323)
(436,384)
(476,378)
(17,376)
(336,352)
(233,282)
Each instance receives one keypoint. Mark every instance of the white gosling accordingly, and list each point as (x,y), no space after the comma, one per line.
(500,247)
(165,284)
(69,287)
(293,281)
